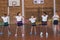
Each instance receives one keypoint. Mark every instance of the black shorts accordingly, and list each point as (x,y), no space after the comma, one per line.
(6,24)
(44,23)
(33,24)
(55,22)
(19,23)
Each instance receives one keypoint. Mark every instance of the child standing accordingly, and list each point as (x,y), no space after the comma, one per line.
(33,24)
(44,23)
(5,18)
(55,22)
(19,19)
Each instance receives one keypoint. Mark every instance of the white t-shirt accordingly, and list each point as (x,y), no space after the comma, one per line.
(44,18)
(19,18)
(33,20)
(5,19)
(55,17)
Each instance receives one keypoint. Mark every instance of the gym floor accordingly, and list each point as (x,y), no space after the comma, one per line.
(27,36)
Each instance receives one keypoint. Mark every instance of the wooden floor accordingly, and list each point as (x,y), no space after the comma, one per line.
(28,36)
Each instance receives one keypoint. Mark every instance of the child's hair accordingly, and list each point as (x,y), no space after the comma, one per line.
(18,13)
(45,13)
(5,14)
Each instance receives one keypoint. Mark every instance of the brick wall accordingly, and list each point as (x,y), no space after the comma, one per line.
(27,4)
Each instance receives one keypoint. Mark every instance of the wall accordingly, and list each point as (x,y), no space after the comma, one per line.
(28,4)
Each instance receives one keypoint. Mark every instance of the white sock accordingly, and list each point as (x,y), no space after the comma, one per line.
(15,34)
(41,34)
(46,34)
(22,35)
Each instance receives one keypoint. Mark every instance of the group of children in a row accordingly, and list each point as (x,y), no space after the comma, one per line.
(19,19)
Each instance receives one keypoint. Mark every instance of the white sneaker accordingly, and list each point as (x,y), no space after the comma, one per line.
(15,35)
(30,33)
(35,33)
(22,35)
(46,34)
(1,33)
(41,34)
(9,33)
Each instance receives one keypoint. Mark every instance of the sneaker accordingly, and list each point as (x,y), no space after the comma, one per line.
(9,33)
(30,33)
(1,33)
(41,34)
(15,35)
(46,34)
(35,33)
(22,35)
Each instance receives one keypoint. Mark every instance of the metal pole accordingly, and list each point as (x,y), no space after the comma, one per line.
(22,7)
(8,15)
(54,9)
(9,33)
(23,15)
(8,10)
(54,6)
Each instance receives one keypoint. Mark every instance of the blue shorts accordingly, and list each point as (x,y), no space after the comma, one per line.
(19,23)
(6,24)
(44,23)
(55,22)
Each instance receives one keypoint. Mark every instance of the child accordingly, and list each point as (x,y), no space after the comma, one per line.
(19,19)
(55,21)
(5,19)
(44,22)
(1,27)
(33,24)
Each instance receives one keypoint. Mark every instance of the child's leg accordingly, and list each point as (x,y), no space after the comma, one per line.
(41,33)
(46,31)
(31,30)
(54,30)
(42,28)
(22,30)
(8,29)
(1,32)
(58,27)
(16,31)
(46,27)
(35,29)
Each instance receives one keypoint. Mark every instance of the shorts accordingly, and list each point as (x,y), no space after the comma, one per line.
(6,24)
(44,23)
(55,22)
(33,24)
(19,23)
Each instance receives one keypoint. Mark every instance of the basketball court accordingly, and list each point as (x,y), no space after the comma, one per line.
(28,8)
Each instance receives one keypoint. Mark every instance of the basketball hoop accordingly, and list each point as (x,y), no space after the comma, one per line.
(14,3)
